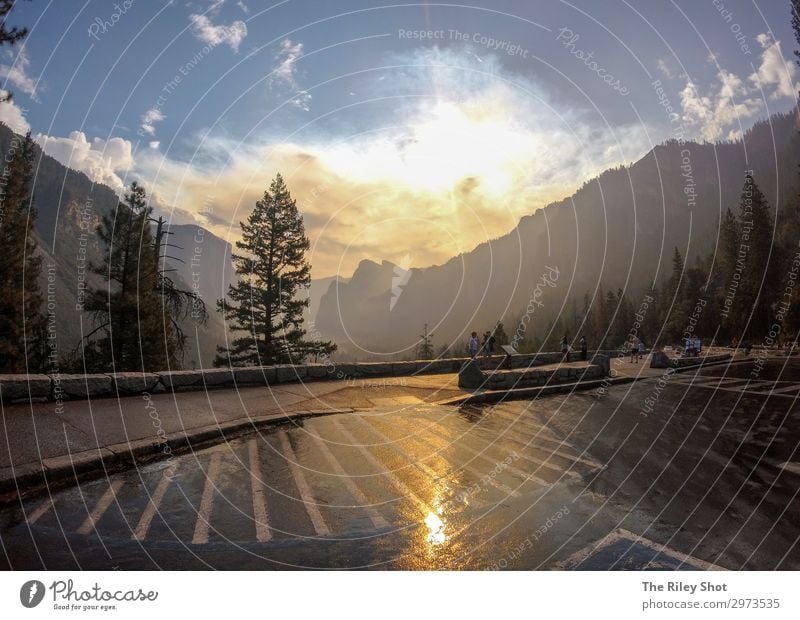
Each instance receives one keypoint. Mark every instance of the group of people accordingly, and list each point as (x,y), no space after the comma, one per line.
(476,347)
(565,348)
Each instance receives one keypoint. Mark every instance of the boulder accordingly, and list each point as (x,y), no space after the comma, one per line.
(470,376)
(659,359)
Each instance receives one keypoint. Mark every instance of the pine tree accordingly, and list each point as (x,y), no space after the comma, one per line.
(425,347)
(136,331)
(674,296)
(500,336)
(9,36)
(22,324)
(272,270)
(759,281)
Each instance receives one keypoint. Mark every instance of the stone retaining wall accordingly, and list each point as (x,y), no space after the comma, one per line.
(40,388)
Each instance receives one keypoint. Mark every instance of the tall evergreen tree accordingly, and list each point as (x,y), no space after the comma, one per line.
(9,36)
(22,324)
(136,332)
(265,303)
(759,281)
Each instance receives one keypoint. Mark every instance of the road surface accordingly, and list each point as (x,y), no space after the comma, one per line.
(686,472)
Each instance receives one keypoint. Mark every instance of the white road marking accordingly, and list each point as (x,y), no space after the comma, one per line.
(399,484)
(579,556)
(140,533)
(515,470)
(395,445)
(302,486)
(791,466)
(263,533)
(352,487)
(540,437)
(40,510)
(475,471)
(207,502)
(99,510)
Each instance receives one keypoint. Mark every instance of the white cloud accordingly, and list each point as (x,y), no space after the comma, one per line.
(154,144)
(665,66)
(448,173)
(286,72)
(99,159)
(149,119)
(212,34)
(736,100)
(244,7)
(12,115)
(714,112)
(774,69)
(288,55)
(17,74)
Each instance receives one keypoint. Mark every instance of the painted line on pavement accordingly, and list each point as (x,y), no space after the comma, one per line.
(394,479)
(263,533)
(201,527)
(154,501)
(40,510)
(99,510)
(302,486)
(352,487)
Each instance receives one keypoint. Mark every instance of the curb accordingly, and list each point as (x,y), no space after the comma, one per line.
(30,480)
(496,396)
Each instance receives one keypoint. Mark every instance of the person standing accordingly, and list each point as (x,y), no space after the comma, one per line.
(487,344)
(583,348)
(635,343)
(565,349)
(473,345)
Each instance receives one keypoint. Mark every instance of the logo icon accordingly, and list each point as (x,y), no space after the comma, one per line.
(31,593)
(402,274)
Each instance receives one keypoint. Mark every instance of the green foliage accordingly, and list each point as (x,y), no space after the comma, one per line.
(272,270)
(22,326)
(133,332)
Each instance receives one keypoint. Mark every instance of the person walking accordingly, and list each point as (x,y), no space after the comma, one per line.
(583,348)
(635,344)
(487,344)
(565,349)
(473,345)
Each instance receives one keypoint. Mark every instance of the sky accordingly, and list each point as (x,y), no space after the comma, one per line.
(408,132)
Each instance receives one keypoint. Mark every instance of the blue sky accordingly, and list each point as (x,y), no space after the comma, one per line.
(449,122)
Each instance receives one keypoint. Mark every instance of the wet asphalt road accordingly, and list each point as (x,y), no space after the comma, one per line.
(690,472)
